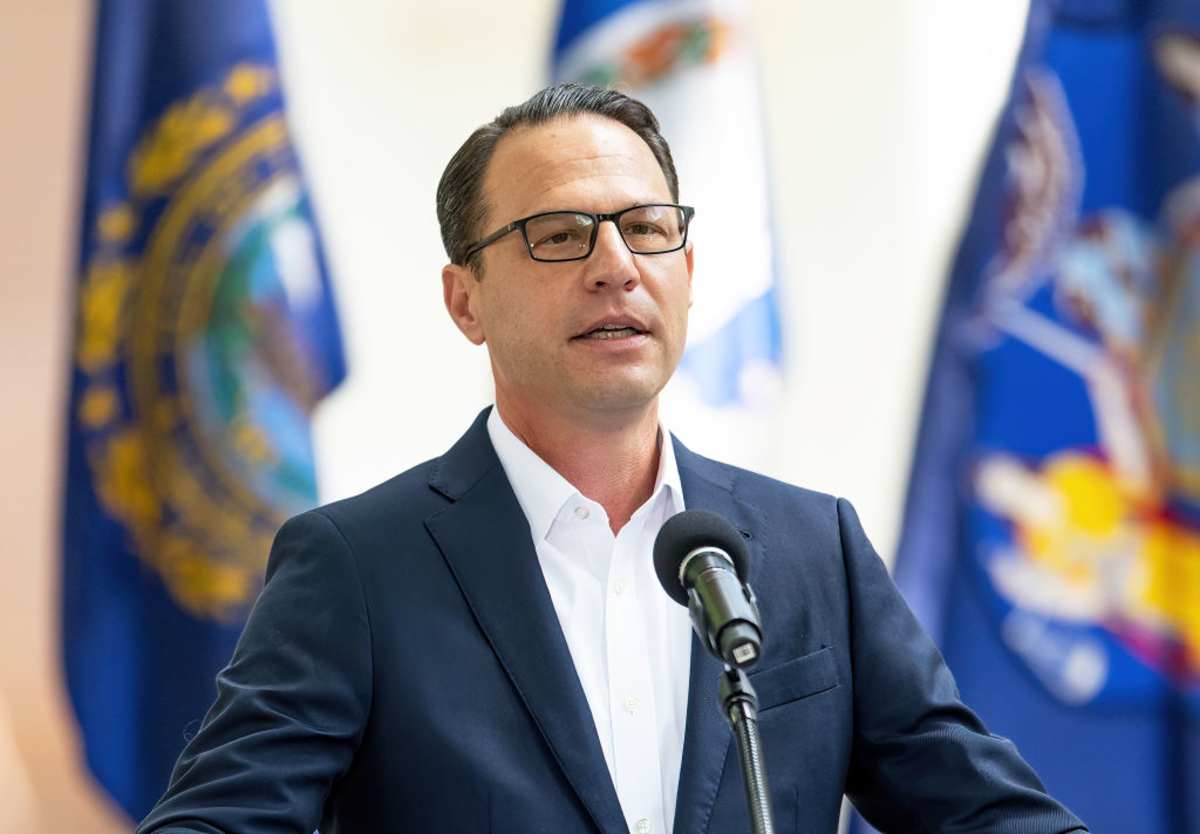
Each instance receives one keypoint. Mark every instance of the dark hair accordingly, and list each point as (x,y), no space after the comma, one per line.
(460,203)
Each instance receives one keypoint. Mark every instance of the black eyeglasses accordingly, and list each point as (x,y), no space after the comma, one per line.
(571,235)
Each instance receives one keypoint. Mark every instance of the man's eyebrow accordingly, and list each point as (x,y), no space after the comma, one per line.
(622,206)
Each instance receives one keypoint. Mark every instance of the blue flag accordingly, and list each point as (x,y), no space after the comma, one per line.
(689,59)
(1052,532)
(205,334)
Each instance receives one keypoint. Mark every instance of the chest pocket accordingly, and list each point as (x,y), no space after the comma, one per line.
(808,675)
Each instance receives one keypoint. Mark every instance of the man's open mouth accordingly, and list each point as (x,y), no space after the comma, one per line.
(611,331)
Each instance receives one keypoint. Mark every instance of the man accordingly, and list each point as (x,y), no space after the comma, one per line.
(480,644)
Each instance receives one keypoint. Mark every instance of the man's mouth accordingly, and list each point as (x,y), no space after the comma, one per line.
(611,331)
(613,327)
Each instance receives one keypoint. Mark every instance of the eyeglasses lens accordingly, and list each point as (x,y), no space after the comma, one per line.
(652,229)
(562,236)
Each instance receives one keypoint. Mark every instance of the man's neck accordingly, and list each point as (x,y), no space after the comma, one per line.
(613,461)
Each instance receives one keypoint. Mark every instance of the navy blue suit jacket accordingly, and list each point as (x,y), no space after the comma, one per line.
(404,671)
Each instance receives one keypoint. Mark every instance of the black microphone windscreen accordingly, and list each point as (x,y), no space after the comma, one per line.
(687,531)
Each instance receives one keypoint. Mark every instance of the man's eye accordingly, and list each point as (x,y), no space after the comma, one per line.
(642,229)
(559,238)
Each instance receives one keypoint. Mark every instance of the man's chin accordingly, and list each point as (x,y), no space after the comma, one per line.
(616,396)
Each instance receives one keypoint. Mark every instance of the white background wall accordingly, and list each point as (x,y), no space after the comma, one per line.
(877,111)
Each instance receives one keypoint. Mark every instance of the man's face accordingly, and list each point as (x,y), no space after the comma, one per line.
(539,320)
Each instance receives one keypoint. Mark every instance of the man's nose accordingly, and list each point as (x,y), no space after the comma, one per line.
(611,264)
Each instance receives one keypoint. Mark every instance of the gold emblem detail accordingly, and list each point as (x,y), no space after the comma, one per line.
(189,500)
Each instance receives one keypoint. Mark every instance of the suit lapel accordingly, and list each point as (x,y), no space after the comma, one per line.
(485,540)
(706,740)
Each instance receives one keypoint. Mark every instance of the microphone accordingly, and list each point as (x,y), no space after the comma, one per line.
(700,559)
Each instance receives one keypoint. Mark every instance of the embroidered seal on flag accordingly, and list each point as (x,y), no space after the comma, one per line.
(198,388)
(1090,547)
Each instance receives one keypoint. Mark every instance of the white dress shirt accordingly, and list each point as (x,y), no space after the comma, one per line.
(630,643)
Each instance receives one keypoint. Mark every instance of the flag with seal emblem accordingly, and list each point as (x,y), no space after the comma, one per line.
(692,62)
(1052,531)
(205,335)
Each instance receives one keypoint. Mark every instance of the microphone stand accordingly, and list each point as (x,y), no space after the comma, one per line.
(739,703)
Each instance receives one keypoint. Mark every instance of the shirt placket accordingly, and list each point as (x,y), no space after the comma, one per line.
(631,694)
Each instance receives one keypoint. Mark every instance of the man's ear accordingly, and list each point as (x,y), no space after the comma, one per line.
(459,286)
(688,257)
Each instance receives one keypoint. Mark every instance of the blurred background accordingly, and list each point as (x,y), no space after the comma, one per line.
(856,134)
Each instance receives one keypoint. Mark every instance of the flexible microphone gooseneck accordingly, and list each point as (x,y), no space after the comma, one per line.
(702,561)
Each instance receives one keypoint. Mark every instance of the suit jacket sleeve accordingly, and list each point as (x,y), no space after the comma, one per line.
(922,761)
(291,704)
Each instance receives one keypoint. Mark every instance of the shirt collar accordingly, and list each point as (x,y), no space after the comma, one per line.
(542,491)
(668,471)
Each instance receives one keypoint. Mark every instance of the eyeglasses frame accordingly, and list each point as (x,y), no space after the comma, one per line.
(597,218)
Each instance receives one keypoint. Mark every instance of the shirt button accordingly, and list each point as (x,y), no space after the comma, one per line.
(643,826)
(631,705)
(581,513)
(619,586)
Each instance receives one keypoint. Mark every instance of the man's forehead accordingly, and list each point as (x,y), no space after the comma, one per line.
(584,156)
